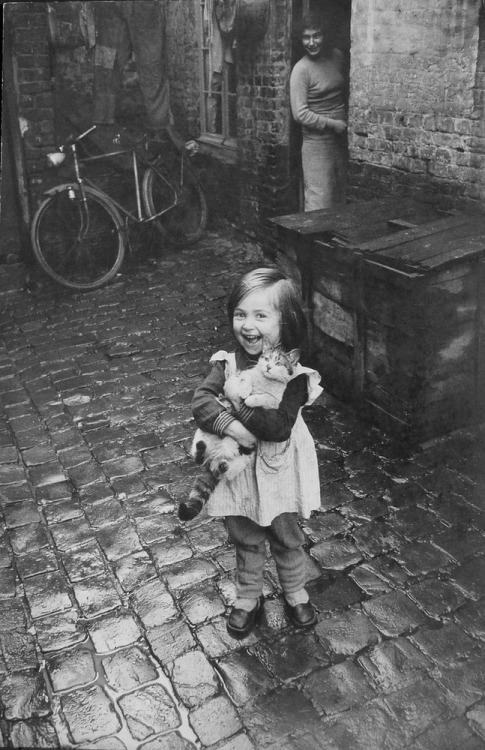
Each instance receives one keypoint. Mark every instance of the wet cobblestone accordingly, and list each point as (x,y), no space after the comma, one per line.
(112,612)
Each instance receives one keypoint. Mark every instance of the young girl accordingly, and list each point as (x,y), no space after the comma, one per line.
(282,481)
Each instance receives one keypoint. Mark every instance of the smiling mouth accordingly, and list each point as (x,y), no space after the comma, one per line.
(251,339)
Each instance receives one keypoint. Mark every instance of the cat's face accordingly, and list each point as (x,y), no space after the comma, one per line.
(277,364)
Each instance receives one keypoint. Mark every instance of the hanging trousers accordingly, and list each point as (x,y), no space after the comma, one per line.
(124,27)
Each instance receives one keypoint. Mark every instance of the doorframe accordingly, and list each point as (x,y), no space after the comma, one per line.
(299,7)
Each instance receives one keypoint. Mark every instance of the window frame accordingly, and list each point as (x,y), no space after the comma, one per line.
(218,142)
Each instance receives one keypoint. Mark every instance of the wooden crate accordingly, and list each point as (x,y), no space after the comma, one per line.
(394,291)
(420,314)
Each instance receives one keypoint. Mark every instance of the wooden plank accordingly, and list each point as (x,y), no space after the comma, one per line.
(392,402)
(337,350)
(460,384)
(396,350)
(474,246)
(455,242)
(334,363)
(335,250)
(451,413)
(360,326)
(418,389)
(358,222)
(480,342)
(389,422)
(401,224)
(334,320)
(336,288)
(449,301)
(438,418)
(384,245)
(436,351)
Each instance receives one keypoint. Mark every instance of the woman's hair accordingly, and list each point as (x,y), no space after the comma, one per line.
(286,299)
(315,21)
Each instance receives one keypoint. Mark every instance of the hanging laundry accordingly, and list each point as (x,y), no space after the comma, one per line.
(124,27)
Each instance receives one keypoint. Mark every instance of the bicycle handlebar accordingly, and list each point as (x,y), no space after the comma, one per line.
(75,139)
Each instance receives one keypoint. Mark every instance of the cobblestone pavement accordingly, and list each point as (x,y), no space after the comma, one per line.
(112,612)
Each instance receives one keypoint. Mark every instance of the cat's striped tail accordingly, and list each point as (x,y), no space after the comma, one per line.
(204,484)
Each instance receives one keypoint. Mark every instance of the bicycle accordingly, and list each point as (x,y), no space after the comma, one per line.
(78,234)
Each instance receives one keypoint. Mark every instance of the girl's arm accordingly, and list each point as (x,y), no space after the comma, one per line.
(276,424)
(206,408)
(211,416)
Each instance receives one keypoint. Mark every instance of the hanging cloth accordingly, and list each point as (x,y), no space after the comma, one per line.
(220,51)
(124,27)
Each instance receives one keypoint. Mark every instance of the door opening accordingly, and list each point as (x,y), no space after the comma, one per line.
(338,15)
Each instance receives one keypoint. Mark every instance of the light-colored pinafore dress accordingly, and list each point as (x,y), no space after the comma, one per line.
(282,476)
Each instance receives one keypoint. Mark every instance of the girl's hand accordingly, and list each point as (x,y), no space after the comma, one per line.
(240,434)
(339,126)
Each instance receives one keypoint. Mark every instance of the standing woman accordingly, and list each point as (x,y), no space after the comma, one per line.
(317,96)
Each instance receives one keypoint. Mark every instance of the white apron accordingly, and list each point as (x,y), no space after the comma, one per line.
(282,477)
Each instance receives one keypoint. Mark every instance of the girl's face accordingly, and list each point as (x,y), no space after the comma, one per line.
(257,321)
(312,40)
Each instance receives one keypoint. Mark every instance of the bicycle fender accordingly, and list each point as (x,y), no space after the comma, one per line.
(89,190)
(61,188)
(73,186)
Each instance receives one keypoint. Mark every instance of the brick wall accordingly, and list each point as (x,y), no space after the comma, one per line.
(261,184)
(416,102)
(417,94)
(27,25)
(183,64)
(267,182)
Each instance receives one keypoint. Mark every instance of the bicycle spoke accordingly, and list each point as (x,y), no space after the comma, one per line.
(78,249)
(172,187)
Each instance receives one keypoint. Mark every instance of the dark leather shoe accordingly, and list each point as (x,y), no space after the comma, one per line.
(241,622)
(302,615)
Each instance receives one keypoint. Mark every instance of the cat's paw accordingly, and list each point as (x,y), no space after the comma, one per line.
(222,467)
(251,401)
(189,509)
(254,401)
(245,391)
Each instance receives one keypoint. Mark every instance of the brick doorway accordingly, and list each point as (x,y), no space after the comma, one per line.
(338,13)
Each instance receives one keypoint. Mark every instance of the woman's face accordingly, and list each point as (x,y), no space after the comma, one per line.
(312,40)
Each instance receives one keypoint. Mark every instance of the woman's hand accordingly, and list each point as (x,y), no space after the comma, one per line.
(240,434)
(340,126)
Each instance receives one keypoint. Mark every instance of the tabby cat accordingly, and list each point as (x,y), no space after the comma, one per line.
(262,385)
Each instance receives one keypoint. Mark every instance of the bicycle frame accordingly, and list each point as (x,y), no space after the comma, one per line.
(139,217)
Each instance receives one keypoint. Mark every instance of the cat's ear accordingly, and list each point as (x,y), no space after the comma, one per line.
(294,356)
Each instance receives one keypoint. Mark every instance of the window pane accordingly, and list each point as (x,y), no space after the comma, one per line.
(213,109)
(205,26)
(232,116)
(231,78)
(217,90)
(206,60)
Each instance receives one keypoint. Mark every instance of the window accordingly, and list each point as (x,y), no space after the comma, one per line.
(218,103)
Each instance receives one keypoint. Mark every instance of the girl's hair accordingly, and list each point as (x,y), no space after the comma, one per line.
(286,299)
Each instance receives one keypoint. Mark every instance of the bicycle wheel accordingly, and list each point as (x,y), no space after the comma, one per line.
(78,253)
(172,186)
